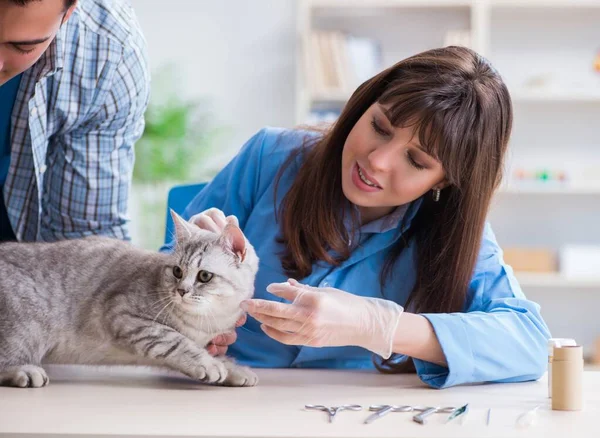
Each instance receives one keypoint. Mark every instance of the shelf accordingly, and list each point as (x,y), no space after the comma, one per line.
(556,96)
(340,97)
(576,190)
(555,280)
(544,3)
(337,97)
(352,4)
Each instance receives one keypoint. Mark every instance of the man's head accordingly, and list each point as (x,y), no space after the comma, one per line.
(27,27)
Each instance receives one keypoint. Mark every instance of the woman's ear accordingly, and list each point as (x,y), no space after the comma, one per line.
(441,185)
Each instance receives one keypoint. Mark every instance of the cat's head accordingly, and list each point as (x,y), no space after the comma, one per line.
(211,273)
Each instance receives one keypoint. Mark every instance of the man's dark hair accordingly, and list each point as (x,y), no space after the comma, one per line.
(68,3)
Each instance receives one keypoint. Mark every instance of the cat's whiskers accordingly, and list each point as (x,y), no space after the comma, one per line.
(161,310)
(213,317)
(169,313)
(160,301)
(160,304)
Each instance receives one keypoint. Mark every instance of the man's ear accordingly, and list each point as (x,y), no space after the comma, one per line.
(69,12)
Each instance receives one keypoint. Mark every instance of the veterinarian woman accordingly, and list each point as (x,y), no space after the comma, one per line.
(381,219)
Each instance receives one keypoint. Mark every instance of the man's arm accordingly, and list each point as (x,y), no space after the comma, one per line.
(89,175)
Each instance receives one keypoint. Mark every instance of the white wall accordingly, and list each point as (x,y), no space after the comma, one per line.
(238,53)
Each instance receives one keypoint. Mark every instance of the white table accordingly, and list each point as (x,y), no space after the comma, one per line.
(140,402)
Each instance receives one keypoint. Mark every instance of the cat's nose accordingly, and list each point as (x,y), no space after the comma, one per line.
(181,292)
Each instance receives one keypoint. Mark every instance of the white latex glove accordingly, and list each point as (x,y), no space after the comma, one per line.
(326,317)
(213,220)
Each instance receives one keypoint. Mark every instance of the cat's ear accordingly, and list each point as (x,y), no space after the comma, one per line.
(233,239)
(183,229)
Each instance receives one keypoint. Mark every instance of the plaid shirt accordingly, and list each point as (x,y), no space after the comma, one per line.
(78,112)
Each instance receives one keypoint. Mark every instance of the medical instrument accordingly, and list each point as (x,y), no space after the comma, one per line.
(528,418)
(381,410)
(424,412)
(457,412)
(427,411)
(333,410)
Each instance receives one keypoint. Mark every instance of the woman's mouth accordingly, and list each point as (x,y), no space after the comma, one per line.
(364,181)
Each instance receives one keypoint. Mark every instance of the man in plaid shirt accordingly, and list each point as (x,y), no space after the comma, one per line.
(74,86)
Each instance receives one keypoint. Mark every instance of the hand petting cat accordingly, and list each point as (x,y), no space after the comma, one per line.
(215,220)
(218,346)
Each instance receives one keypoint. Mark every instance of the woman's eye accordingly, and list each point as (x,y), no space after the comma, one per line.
(177,272)
(204,276)
(378,129)
(413,163)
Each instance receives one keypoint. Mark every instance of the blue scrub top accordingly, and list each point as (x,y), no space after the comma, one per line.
(8,95)
(500,336)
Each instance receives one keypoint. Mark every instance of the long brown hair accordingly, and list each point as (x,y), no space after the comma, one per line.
(461,110)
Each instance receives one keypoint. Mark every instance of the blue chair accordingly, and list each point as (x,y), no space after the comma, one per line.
(179,198)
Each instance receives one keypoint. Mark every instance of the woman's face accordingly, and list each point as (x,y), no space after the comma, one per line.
(384,166)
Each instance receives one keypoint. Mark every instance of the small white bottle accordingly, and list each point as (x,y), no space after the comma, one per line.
(556,342)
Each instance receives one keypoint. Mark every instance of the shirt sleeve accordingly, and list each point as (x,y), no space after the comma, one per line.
(234,188)
(501,337)
(89,176)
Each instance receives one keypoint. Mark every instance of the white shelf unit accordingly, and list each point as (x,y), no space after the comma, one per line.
(544,50)
(550,190)
(556,281)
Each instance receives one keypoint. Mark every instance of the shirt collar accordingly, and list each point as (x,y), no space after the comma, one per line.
(387,222)
(401,215)
(53,58)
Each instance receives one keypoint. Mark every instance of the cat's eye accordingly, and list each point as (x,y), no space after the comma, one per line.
(204,276)
(177,272)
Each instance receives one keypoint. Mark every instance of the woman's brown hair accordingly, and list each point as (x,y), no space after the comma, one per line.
(461,110)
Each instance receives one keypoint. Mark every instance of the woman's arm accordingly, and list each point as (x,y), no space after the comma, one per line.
(499,337)
(416,338)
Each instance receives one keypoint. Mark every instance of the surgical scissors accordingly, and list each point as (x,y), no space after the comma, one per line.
(333,410)
(424,412)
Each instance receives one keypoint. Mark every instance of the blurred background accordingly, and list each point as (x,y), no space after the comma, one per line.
(224,69)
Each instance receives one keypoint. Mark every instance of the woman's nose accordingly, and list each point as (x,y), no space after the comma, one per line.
(380,159)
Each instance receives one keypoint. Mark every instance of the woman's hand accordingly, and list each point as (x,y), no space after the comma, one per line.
(213,220)
(218,346)
(326,317)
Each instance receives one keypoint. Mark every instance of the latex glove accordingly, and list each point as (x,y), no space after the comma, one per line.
(213,220)
(326,317)
(218,346)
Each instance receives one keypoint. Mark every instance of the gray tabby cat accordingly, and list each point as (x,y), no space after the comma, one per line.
(103,301)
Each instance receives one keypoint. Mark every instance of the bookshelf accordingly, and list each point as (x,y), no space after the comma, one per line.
(549,281)
(545,51)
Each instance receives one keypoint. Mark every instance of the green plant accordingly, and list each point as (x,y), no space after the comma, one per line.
(178,137)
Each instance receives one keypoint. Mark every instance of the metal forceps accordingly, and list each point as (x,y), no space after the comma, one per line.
(427,411)
(424,412)
(381,410)
(333,410)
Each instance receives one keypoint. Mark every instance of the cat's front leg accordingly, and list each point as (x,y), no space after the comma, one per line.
(238,375)
(161,345)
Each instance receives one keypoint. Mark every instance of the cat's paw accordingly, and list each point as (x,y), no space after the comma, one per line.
(24,376)
(211,371)
(240,376)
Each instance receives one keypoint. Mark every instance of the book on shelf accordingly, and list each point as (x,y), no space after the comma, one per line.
(337,63)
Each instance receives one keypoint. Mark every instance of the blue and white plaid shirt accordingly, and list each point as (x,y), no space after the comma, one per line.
(77,115)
